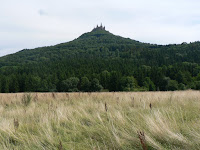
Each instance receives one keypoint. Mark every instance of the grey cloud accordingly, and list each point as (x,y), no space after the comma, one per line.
(154,21)
(42,12)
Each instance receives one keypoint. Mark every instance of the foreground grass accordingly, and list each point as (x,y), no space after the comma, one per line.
(100,120)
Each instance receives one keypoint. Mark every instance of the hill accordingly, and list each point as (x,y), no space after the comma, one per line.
(101,60)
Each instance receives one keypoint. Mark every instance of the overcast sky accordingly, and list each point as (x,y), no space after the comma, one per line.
(36,23)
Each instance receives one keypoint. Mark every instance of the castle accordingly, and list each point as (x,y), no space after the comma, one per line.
(99,28)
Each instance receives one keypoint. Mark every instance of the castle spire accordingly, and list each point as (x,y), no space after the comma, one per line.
(101,27)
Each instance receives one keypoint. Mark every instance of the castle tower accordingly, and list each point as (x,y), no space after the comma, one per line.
(101,27)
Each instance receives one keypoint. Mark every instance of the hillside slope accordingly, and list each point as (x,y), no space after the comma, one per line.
(99,59)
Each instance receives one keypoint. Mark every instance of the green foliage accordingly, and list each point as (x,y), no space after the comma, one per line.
(114,84)
(149,85)
(197,85)
(70,85)
(181,86)
(95,86)
(105,79)
(103,56)
(128,83)
(85,84)
(172,85)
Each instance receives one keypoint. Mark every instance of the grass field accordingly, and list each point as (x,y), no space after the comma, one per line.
(80,121)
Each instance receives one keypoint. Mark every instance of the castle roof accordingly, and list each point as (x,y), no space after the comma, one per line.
(101,27)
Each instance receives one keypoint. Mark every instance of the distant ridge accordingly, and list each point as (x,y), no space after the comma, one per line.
(99,59)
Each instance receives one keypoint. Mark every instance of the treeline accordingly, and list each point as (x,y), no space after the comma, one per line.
(144,78)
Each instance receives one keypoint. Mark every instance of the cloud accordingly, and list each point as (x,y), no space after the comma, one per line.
(23,25)
(42,12)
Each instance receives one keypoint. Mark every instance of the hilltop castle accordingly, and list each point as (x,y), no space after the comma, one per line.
(99,28)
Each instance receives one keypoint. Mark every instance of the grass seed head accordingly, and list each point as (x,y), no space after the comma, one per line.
(16,124)
(141,136)
(60,147)
(106,107)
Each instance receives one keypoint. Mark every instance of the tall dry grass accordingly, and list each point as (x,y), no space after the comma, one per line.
(138,120)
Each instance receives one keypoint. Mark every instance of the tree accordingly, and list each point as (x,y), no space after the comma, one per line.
(13,85)
(183,77)
(95,86)
(114,84)
(105,79)
(197,85)
(85,84)
(128,83)
(70,85)
(181,86)
(149,85)
(5,85)
(32,83)
(44,86)
(172,85)
(164,83)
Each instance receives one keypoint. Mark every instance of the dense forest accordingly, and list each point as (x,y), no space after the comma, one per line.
(101,61)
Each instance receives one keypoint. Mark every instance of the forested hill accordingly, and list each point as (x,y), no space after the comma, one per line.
(98,61)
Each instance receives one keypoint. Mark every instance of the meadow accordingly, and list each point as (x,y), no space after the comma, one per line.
(100,121)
